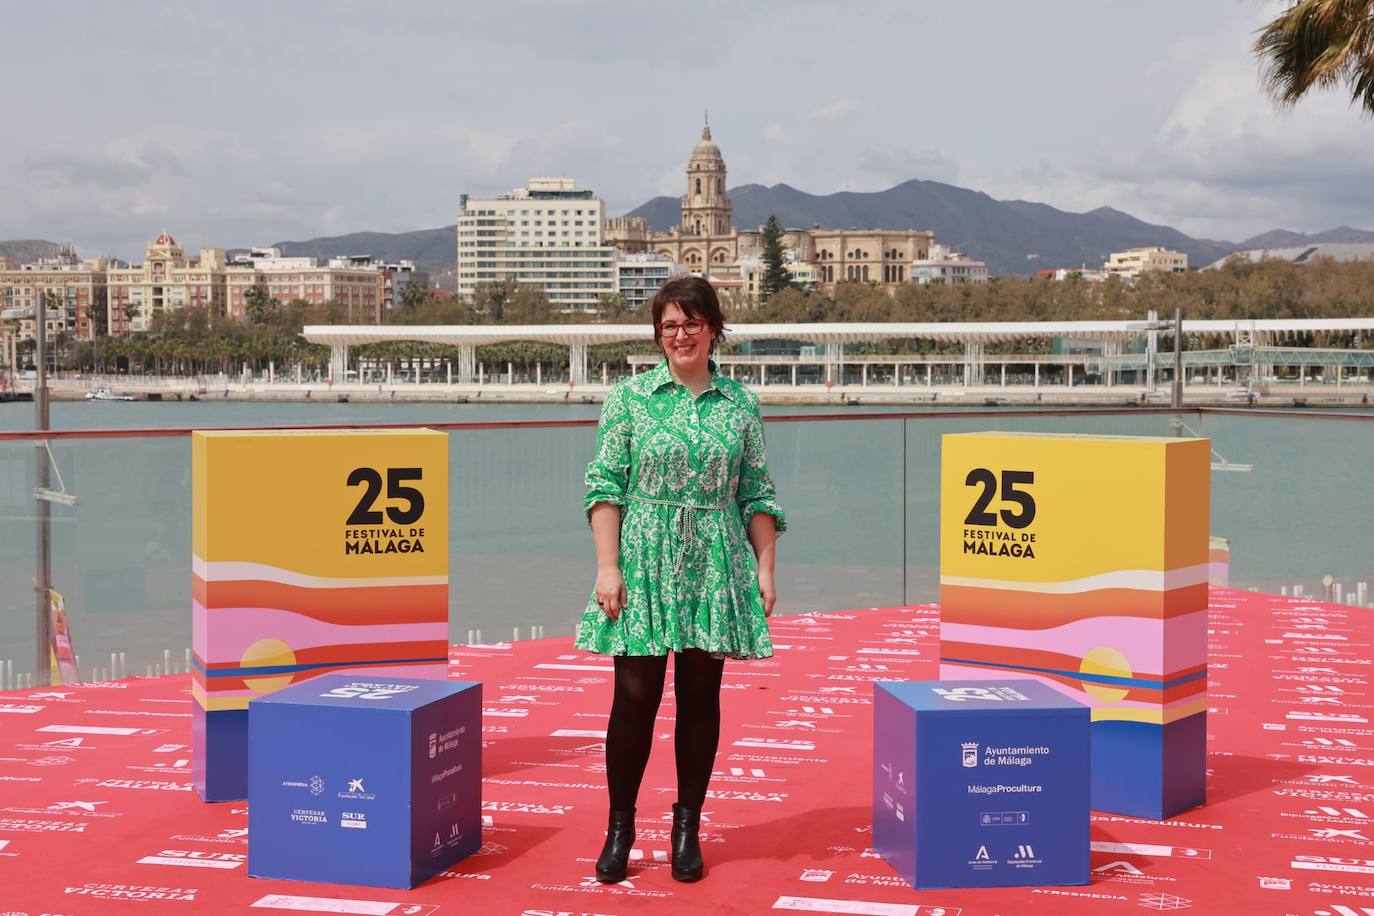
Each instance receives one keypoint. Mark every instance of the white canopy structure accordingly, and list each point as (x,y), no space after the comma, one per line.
(973,335)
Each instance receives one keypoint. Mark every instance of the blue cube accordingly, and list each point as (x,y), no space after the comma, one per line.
(980,783)
(357,780)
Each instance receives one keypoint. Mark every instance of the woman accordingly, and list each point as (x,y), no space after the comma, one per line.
(677,494)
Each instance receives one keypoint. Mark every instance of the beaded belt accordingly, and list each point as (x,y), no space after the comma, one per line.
(685,524)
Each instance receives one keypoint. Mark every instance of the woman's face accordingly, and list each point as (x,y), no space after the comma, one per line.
(687,353)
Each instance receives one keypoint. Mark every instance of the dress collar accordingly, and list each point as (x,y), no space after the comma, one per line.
(661,376)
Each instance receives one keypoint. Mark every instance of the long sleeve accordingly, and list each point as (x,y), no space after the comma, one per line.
(756,491)
(609,470)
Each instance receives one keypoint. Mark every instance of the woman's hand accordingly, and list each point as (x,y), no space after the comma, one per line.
(763,535)
(768,591)
(610,590)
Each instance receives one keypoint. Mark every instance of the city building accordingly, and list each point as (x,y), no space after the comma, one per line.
(882,256)
(272,259)
(706,238)
(941,265)
(396,276)
(167,279)
(548,235)
(1133,262)
(1086,274)
(1302,254)
(799,273)
(354,282)
(628,234)
(76,293)
(706,241)
(639,276)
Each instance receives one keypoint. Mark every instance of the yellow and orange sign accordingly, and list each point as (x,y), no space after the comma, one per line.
(1083,561)
(314,552)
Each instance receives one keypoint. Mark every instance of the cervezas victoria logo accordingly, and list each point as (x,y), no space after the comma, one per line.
(132,892)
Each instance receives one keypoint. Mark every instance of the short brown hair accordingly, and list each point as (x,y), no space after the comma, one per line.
(697,299)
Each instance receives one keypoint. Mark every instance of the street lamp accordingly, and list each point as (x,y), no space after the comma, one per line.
(1154,324)
(42,494)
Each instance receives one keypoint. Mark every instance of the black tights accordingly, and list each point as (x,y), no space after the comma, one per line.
(630,734)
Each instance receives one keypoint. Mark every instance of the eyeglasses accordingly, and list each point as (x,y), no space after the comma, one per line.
(692,327)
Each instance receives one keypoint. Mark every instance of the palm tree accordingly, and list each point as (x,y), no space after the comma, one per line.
(1319,43)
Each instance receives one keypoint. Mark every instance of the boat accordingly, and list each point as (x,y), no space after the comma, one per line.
(103,393)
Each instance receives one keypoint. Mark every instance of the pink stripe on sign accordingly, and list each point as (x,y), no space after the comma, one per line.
(238,628)
(1187,645)
(1140,641)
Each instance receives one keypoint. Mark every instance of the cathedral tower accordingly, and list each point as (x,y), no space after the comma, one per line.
(705,208)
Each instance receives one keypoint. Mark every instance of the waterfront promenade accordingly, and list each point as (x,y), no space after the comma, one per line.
(1346,393)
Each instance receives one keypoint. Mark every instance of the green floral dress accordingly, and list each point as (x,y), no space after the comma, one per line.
(688,474)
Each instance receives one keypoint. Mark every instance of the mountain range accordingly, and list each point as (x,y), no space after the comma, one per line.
(1012,236)
(1282,238)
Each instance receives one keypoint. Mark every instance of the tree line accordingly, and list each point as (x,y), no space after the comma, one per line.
(193,341)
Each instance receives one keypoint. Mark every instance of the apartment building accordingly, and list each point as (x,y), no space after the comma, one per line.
(357,284)
(1133,262)
(640,276)
(76,293)
(167,279)
(548,235)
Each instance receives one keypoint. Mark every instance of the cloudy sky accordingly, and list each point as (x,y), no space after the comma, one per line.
(232,124)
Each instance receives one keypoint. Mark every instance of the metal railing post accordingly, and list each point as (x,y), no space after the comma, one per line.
(1178,358)
(42,581)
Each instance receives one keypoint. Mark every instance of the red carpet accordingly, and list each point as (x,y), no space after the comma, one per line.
(97,814)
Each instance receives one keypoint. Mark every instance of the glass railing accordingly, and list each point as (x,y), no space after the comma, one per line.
(861,491)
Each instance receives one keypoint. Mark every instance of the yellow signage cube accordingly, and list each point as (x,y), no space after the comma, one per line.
(315,552)
(1083,561)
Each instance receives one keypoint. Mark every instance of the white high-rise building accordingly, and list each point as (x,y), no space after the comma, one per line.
(548,235)
(641,276)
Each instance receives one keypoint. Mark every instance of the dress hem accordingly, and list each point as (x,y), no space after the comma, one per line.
(733,655)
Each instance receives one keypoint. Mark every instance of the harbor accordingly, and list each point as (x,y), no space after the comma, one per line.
(1305,392)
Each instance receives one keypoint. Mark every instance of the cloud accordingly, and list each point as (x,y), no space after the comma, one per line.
(883,168)
(1224,158)
(306,135)
(670,183)
(840,108)
(1219,161)
(60,168)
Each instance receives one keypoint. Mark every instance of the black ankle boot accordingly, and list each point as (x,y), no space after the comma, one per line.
(687,864)
(615,855)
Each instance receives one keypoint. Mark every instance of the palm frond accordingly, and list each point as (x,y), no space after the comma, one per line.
(1319,44)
